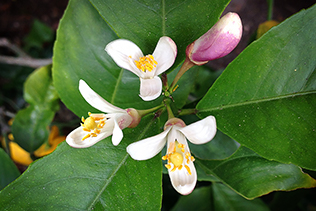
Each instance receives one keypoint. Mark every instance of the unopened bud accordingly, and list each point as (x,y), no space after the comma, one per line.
(217,42)
(135,117)
(174,121)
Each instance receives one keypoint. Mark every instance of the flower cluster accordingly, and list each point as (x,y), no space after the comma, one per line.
(220,40)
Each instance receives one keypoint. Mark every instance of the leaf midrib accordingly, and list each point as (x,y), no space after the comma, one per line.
(108,181)
(256,101)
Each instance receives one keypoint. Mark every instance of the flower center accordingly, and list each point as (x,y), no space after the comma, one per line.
(92,125)
(146,63)
(176,156)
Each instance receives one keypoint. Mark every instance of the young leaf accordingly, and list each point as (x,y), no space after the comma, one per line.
(266,98)
(30,125)
(252,176)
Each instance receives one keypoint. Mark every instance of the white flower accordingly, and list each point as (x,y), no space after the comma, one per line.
(99,126)
(180,165)
(128,55)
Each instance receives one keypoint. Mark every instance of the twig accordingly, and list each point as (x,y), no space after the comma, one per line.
(23,59)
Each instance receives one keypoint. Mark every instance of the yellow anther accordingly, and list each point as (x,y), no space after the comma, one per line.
(168,166)
(82,119)
(146,63)
(86,136)
(192,158)
(174,168)
(101,124)
(97,131)
(164,157)
(188,169)
(176,158)
(174,89)
(85,129)
(180,167)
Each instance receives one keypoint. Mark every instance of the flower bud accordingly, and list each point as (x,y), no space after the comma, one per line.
(217,42)
(174,121)
(135,117)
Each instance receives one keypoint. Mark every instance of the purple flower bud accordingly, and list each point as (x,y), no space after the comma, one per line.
(217,42)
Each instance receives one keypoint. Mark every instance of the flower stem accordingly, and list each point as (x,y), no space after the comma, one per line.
(187,64)
(143,113)
(188,111)
(270,9)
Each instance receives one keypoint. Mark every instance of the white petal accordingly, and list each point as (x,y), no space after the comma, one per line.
(149,147)
(74,139)
(124,52)
(96,100)
(201,131)
(120,122)
(165,54)
(182,181)
(150,89)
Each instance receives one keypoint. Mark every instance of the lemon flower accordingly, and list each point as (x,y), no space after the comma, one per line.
(99,126)
(129,56)
(180,165)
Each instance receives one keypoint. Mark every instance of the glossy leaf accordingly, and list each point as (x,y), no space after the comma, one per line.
(83,34)
(101,177)
(31,125)
(8,170)
(226,199)
(144,22)
(266,98)
(252,176)
(220,147)
(217,197)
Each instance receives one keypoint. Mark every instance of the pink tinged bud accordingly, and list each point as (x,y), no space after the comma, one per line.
(217,42)
(135,117)
(174,121)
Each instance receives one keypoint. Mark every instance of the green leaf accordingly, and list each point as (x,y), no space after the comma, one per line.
(30,125)
(200,199)
(252,176)
(83,34)
(144,22)
(217,197)
(101,177)
(8,170)
(266,98)
(39,34)
(220,147)
(226,199)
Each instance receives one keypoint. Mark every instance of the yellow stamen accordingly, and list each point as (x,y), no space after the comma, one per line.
(168,166)
(86,136)
(85,129)
(188,169)
(146,63)
(174,89)
(176,154)
(92,125)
